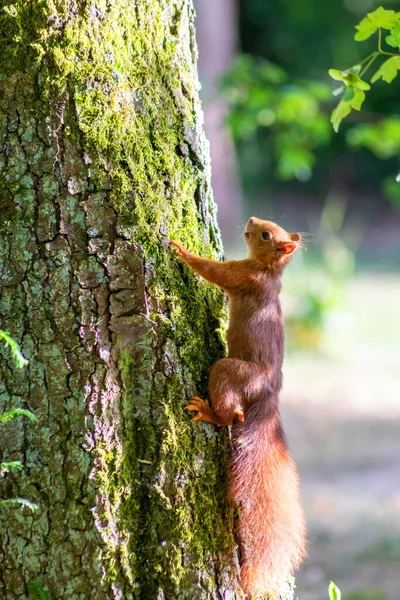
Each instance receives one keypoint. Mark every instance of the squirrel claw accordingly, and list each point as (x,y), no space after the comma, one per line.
(198,404)
(199,401)
(180,250)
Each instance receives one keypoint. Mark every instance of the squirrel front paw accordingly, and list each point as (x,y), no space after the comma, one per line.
(201,406)
(181,251)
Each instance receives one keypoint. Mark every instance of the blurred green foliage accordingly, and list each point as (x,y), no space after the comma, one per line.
(371,594)
(385,550)
(281,98)
(383,139)
(261,97)
(318,288)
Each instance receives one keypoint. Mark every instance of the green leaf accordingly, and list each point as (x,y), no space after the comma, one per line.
(339,113)
(383,18)
(365,30)
(334,592)
(5,467)
(357,99)
(22,502)
(20,360)
(394,38)
(349,78)
(386,19)
(355,81)
(388,70)
(349,94)
(15,412)
(336,74)
(338,90)
(355,69)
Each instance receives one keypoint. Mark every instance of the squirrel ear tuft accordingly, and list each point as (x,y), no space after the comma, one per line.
(295,237)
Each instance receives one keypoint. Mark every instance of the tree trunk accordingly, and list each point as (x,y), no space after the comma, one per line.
(103,160)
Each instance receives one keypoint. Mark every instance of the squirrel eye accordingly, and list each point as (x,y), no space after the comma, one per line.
(265,235)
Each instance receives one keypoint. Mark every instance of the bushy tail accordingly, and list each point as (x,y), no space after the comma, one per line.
(265,486)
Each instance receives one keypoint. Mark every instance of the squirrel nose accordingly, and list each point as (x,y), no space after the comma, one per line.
(251,220)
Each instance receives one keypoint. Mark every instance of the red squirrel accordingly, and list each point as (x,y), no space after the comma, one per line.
(244,392)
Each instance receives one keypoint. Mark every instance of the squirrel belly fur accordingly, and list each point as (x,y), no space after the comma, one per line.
(244,392)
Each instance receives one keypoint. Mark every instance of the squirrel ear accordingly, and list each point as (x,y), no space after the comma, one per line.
(295,237)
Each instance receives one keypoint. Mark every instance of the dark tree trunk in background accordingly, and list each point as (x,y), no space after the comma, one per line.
(216,31)
(103,160)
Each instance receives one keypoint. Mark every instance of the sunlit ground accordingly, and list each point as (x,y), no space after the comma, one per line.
(341,409)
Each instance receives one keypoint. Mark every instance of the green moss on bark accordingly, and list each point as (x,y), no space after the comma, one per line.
(107,161)
(128,72)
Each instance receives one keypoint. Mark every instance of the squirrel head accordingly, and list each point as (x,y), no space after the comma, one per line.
(269,243)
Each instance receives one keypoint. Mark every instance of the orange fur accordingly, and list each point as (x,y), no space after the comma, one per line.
(244,391)
(264,483)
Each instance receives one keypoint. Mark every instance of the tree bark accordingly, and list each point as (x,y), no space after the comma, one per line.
(103,160)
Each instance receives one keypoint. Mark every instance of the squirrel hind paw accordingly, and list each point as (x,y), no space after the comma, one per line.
(198,402)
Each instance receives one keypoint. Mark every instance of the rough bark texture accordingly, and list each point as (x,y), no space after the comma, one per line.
(103,159)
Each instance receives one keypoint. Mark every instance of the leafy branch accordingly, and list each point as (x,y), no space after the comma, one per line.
(15,412)
(354,87)
(5,417)
(16,353)
(21,502)
(6,467)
